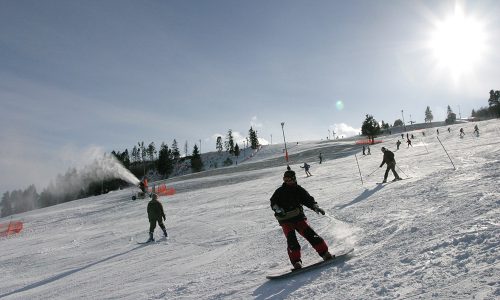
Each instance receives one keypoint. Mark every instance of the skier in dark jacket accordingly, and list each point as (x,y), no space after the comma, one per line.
(391,164)
(287,203)
(155,214)
(306,168)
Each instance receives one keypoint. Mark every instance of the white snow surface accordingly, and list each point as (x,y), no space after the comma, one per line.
(434,235)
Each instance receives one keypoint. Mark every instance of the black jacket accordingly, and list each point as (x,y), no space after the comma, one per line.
(155,211)
(388,158)
(291,199)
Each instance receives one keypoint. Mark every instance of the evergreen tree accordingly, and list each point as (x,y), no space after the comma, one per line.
(451,117)
(196,163)
(398,122)
(229,143)
(236,150)
(370,128)
(136,154)
(428,115)
(494,102)
(254,141)
(165,163)
(175,150)
(6,205)
(218,144)
(186,148)
(151,151)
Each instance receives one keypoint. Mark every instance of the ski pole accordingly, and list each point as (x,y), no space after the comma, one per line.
(359,169)
(402,171)
(446,153)
(372,172)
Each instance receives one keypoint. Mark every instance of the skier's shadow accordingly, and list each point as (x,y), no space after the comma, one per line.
(366,193)
(282,288)
(65,274)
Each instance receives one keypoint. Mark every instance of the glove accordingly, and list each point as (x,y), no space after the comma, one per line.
(278,210)
(318,210)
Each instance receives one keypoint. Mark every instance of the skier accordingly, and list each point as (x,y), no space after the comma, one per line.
(368,149)
(462,133)
(155,214)
(364,150)
(409,143)
(449,129)
(437,131)
(287,203)
(398,143)
(306,169)
(320,158)
(476,130)
(391,164)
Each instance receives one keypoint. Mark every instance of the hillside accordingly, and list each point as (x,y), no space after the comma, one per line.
(434,235)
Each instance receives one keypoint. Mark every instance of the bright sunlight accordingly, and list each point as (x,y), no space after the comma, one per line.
(458,43)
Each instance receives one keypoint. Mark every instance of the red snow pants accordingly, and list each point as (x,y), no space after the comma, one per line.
(308,233)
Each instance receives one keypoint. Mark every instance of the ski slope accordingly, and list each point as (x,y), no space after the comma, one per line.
(434,235)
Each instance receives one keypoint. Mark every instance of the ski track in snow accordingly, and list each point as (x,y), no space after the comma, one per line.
(434,235)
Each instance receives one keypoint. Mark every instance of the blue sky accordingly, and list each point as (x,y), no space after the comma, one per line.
(80,75)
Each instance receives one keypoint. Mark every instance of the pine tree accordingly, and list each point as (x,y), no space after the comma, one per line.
(236,150)
(175,150)
(254,141)
(196,163)
(428,115)
(370,128)
(218,144)
(451,117)
(229,143)
(165,162)
(151,151)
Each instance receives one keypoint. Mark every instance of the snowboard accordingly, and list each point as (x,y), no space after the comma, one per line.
(341,257)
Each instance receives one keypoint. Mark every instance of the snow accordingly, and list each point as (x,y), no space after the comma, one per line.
(434,235)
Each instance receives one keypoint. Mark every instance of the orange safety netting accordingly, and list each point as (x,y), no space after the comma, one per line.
(367,142)
(12,227)
(163,190)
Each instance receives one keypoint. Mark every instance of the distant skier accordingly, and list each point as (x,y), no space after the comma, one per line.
(306,169)
(287,203)
(391,164)
(364,148)
(449,129)
(155,214)
(398,143)
(320,158)
(437,131)
(368,149)
(462,133)
(409,143)
(476,130)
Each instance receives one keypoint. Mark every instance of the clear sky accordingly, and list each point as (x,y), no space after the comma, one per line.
(75,75)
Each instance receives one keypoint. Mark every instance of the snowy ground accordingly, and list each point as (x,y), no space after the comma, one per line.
(434,235)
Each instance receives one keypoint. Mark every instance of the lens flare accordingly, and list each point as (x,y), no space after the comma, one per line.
(339,105)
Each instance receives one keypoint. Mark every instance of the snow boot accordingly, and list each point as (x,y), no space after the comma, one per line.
(297,265)
(327,256)
(165,233)
(151,238)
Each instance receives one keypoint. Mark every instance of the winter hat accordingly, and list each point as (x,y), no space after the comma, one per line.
(383,149)
(154,196)
(290,174)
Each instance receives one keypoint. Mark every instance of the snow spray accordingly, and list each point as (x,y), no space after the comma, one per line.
(108,167)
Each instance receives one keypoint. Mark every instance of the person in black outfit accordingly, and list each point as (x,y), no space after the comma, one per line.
(287,203)
(155,214)
(391,164)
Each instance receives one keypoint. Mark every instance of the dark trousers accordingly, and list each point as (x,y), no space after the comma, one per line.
(293,246)
(392,167)
(152,225)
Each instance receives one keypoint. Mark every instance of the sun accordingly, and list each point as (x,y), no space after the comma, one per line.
(458,43)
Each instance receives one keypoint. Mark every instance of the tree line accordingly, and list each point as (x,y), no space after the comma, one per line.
(139,161)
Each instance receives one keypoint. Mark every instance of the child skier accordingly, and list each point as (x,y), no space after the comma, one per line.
(287,203)
(155,214)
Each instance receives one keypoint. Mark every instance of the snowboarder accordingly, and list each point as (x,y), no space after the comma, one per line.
(155,214)
(398,143)
(462,133)
(287,203)
(391,164)
(320,158)
(306,169)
